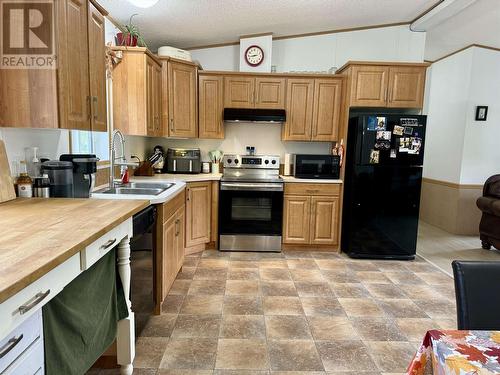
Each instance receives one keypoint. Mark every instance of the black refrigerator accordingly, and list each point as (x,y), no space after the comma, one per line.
(383,178)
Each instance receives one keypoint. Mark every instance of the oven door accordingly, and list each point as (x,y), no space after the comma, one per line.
(254,210)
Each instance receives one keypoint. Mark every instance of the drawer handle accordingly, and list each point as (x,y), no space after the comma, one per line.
(39,297)
(108,244)
(11,344)
(312,191)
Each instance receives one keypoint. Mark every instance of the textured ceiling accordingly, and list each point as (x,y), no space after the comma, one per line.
(476,24)
(188,23)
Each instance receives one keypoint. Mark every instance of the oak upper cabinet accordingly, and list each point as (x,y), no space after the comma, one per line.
(369,86)
(311,214)
(254,92)
(180,98)
(313,109)
(406,87)
(270,92)
(73,64)
(390,85)
(210,106)
(137,93)
(198,212)
(327,108)
(296,211)
(239,92)
(299,109)
(97,69)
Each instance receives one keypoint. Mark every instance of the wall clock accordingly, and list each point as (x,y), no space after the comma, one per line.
(254,55)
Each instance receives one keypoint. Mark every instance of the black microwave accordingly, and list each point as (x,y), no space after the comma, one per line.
(316,166)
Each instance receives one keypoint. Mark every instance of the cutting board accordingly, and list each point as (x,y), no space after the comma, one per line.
(7,192)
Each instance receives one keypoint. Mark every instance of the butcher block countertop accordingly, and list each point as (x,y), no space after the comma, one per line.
(38,234)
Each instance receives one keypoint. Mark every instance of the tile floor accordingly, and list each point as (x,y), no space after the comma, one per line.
(290,313)
(451,247)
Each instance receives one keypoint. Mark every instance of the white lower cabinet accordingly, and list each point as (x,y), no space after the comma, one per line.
(21,351)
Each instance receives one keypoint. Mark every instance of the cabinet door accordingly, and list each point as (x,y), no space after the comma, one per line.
(369,86)
(299,109)
(296,219)
(406,87)
(169,254)
(239,92)
(157,101)
(198,207)
(270,92)
(211,106)
(97,69)
(327,108)
(73,64)
(324,220)
(180,239)
(182,96)
(150,92)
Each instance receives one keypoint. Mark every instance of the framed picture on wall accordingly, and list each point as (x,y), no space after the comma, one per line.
(481,112)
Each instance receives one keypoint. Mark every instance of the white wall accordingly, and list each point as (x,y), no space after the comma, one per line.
(458,148)
(51,143)
(446,110)
(265,138)
(481,153)
(321,52)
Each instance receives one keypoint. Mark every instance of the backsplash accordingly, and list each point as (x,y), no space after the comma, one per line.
(265,138)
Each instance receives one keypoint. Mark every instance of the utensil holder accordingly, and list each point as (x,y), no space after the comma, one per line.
(215,167)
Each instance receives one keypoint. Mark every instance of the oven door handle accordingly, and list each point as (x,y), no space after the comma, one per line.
(249,186)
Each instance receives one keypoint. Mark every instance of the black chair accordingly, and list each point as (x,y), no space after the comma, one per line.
(477,288)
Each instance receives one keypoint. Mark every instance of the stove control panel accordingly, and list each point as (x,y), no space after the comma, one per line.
(251,161)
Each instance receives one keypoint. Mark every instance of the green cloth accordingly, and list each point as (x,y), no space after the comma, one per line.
(79,324)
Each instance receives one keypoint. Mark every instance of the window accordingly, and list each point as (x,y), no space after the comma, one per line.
(88,142)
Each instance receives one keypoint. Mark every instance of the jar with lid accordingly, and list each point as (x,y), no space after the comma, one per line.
(41,187)
(24,185)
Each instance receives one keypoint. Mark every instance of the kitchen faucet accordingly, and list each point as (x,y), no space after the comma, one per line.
(117,136)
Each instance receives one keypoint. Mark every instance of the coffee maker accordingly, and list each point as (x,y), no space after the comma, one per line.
(84,169)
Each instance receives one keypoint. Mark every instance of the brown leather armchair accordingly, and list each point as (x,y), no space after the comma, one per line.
(489,204)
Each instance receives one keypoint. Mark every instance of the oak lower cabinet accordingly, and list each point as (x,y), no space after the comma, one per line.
(391,85)
(169,248)
(73,96)
(198,213)
(210,106)
(179,98)
(137,92)
(313,109)
(311,214)
(252,91)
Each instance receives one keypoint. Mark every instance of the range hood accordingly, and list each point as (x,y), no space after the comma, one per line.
(254,115)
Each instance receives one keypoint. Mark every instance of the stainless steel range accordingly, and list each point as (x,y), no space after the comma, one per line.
(250,204)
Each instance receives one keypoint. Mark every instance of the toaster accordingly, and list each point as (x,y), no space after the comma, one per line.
(183,160)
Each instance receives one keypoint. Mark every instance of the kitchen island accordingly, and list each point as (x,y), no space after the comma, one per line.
(46,244)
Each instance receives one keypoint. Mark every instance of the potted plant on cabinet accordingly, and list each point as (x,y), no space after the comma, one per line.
(129,35)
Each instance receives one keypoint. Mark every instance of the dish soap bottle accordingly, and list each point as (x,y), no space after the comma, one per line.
(24,183)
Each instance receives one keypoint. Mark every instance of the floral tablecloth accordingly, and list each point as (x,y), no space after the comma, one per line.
(457,353)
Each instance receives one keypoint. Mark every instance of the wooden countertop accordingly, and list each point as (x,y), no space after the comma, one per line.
(39,234)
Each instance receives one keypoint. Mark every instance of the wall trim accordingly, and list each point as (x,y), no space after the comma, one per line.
(463,49)
(334,31)
(451,184)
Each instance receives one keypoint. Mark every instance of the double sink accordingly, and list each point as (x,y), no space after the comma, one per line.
(137,188)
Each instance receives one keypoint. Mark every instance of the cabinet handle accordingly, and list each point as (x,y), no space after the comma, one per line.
(171,124)
(385,94)
(94,107)
(188,194)
(10,345)
(312,191)
(39,297)
(177,227)
(108,244)
(89,108)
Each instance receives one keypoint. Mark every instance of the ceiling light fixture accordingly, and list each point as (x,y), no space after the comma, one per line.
(143,3)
